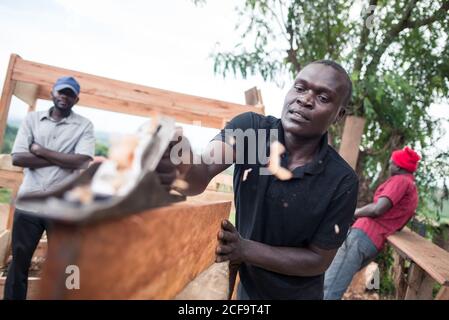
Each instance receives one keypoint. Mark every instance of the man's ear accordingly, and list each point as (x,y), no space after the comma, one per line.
(76,100)
(341,113)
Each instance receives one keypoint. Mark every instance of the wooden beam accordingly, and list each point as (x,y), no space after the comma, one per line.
(431,258)
(141,109)
(95,90)
(160,251)
(350,141)
(7,92)
(10,179)
(6,163)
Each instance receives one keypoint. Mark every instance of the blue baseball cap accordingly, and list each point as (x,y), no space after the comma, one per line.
(67,82)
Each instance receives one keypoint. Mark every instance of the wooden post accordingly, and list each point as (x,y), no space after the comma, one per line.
(12,208)
(420,284)
(350,141)
(253,97)
(5,100)
(398,276)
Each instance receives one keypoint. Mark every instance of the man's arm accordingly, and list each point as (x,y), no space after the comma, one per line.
(374,209)
(60,159)
(29,160)
(197,173)
(310,261)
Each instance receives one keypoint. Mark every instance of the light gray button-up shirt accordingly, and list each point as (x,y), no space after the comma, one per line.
(74,134)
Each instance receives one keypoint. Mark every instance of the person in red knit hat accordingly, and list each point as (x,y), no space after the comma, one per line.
(395,202)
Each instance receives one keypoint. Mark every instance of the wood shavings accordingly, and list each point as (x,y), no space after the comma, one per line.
(82,194)
(337,229)
(274,166)
(122,152)
(245,174)
(179,184)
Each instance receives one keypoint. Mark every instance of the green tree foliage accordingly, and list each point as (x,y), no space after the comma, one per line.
(10,135)
(397,53)
(101,149)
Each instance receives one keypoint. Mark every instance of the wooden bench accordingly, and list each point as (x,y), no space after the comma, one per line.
(429,264)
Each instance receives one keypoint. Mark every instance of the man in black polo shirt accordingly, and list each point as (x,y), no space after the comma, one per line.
(287,231)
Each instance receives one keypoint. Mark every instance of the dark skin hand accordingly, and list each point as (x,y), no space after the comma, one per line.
(314,102)
(305,262)
(40,157)
(374,210)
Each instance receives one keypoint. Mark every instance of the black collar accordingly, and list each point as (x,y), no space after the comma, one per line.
(318,163)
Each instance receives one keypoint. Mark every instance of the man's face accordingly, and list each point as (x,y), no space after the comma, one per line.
(64,99)
(314,102)
(394,169)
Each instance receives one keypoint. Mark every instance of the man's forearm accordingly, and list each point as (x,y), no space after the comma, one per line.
(366,211)
(29,160)
(197,179)
(285,260)
(64,160)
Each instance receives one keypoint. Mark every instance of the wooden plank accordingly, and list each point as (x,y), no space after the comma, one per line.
(211,196)
(119,91)
(10,179)
(160,251)
(398,276)
(420,285)
(142,109)
(431,258)
(6,163)
(350,141)
(7,92)
(414,281)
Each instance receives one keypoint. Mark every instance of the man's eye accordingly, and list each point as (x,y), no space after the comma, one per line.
(299,89)
(323,99)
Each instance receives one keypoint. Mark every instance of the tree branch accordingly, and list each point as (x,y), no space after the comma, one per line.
(403,24)
(437,15)
(392,34)
(363,41)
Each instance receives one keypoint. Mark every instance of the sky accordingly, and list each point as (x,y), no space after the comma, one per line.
(161,44)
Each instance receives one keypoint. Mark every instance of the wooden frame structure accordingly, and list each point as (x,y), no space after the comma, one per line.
(30,81)
(429,264)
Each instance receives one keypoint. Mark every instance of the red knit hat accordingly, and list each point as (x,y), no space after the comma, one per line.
(406,159)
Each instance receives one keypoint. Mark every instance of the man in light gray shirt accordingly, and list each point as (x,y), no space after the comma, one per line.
(52,146)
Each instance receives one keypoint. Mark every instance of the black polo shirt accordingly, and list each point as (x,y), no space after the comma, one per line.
(315,207)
